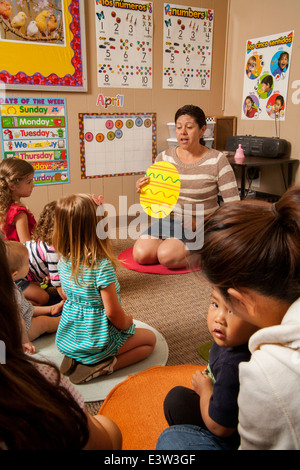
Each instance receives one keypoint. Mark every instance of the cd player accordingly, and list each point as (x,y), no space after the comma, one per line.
(257,146)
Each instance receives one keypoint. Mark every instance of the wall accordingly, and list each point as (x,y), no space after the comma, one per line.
(162,102)
(254,20)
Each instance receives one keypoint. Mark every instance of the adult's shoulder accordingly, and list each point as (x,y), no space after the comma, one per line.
(166,154)
(217,154)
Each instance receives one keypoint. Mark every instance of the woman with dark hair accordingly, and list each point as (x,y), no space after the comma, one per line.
(204,173)
(39,409)
(251,255)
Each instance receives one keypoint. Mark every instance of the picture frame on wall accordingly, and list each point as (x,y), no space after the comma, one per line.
(42,45)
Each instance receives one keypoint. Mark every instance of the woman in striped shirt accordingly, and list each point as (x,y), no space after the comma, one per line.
(94,334)
(204,173)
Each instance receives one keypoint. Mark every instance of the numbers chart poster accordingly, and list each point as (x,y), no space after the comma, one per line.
(35,130)
(116,144)
(266,75)
(124,32)
(187,43)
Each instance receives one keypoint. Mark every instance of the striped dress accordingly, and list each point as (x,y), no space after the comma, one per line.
(85,333)
(202,181)
(42,262)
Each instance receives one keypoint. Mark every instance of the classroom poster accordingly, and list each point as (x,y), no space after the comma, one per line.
(266,76)
(116,144)
(35,130)
(124,32)
(42,44)
(187,47)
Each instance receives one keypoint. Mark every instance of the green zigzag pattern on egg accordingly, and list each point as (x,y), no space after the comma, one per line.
(159,196)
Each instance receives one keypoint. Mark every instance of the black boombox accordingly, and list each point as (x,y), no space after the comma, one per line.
(258,146)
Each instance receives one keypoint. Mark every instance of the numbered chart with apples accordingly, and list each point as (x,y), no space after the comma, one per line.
(187,47)
(124,33)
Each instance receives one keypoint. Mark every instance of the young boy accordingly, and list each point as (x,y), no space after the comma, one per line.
(35,320)
(212,403)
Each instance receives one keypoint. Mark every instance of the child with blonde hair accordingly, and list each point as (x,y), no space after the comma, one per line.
(40,409)
(35,320)
(16,221)
(95,334)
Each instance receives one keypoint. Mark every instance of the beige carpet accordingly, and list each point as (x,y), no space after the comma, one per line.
(176,306)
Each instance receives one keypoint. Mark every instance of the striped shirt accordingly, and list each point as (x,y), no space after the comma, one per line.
(26,308)
(42,262)
(202,181)
(85,333)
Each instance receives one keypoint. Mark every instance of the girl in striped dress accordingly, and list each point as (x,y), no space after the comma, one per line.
(95,334)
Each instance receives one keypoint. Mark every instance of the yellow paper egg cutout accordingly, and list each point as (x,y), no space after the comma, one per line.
(159,196)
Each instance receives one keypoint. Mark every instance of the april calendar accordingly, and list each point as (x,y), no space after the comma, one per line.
(124,32)
(116,144)
(187,43)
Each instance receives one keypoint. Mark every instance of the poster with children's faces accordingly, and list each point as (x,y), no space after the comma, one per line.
(35,130)
(266,75)
(187,47)
(124,32)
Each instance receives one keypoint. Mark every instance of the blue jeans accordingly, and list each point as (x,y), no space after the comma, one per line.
(189,437)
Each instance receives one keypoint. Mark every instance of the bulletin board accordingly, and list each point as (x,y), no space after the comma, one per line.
(35,130)
(266,76)
(116,144)
(42,45)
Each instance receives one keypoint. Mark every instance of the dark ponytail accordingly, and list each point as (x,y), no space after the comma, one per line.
(255,245)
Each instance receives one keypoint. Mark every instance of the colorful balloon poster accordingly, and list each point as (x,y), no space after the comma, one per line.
(35,130)
(116,144)
(266,76)
(124,32)
(187,47)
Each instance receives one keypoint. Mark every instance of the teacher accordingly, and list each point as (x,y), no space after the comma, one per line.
(204,173)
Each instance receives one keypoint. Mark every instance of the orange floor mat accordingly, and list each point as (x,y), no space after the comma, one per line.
(136,405)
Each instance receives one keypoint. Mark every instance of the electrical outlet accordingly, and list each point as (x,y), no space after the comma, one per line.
(253,172)
(256,181)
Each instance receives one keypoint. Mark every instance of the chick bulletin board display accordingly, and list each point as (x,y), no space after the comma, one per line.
(124,32)
(116,144)
(42,44)
(266,76)
(187,43)
(35,130)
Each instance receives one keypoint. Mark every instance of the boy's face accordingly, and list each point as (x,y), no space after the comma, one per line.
(226,328)
(251,65)
(265,87)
